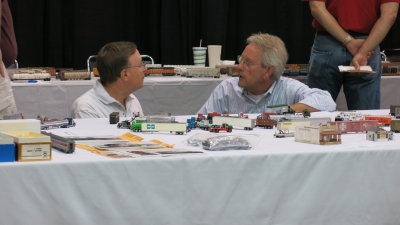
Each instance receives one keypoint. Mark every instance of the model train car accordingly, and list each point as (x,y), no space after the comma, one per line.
(52,124)
(143,126)
(246,123)
(217,128)
(358,126)
(279,109)
(264,120)
(164,71)
(395,110)
(395,126)
(381,119)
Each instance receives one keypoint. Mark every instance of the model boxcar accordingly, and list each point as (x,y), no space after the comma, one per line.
(355,126)
(395,110)
(395,126)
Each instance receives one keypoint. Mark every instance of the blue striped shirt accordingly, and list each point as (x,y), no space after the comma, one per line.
(228,97)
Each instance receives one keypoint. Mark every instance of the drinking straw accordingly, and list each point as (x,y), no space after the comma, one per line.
(201,40)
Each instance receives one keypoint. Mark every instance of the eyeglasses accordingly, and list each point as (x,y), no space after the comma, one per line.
(246,62)
(143,65)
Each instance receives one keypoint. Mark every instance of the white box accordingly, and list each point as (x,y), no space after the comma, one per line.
(30,125)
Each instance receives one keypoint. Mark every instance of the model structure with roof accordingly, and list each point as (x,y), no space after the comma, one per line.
(321,135)
(379,134)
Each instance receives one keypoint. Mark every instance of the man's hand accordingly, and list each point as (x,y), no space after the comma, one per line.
(388,15)
(360,59)
(300,107)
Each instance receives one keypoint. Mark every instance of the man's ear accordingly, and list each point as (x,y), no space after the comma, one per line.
(268,71)
(123,74)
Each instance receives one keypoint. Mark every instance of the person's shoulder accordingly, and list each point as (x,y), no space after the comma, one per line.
(231,82)
(85,105)
(289,81)
(290,85)
(85,99)
(132,98)
(228,85)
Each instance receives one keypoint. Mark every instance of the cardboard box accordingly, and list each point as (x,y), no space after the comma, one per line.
(31,146)
(31,125)
(7,148)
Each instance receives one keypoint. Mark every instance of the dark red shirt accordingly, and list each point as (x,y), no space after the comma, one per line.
(353,15)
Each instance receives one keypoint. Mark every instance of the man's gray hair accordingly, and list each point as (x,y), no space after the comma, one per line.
(274,52)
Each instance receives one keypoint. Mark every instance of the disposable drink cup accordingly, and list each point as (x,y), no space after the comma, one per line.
(214,55)
(199,56)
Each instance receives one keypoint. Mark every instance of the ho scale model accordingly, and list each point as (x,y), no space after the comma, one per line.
(321,135)
(246,123)
(144,126)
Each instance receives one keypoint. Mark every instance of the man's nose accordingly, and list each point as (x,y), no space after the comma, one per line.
(239,67)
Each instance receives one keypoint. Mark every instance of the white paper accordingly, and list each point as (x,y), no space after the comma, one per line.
(349,68)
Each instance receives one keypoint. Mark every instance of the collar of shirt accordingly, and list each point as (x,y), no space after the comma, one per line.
(104,97)
(257,98)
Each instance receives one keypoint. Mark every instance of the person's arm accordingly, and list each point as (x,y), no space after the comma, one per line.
(300,107)
(377,34)
(2,72)
(302,97)
(313,99)
(331,25)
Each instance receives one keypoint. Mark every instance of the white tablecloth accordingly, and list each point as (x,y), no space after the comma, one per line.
(278,182)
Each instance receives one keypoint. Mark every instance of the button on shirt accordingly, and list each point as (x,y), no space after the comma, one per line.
(228,97)
(97,103)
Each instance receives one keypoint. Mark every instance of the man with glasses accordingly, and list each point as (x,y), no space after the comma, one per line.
(260,83)
(121,73)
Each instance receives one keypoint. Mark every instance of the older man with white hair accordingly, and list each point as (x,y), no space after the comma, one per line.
(260,83)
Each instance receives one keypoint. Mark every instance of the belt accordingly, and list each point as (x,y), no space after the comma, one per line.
(352,33)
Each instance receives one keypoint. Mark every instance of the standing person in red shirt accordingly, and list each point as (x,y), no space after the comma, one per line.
(349,33)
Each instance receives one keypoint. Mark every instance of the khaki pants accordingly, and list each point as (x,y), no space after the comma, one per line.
(7,101)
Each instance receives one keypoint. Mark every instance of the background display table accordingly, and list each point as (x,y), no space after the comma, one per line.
(175,95)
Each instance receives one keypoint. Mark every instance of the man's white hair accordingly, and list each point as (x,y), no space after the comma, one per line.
(273,52)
